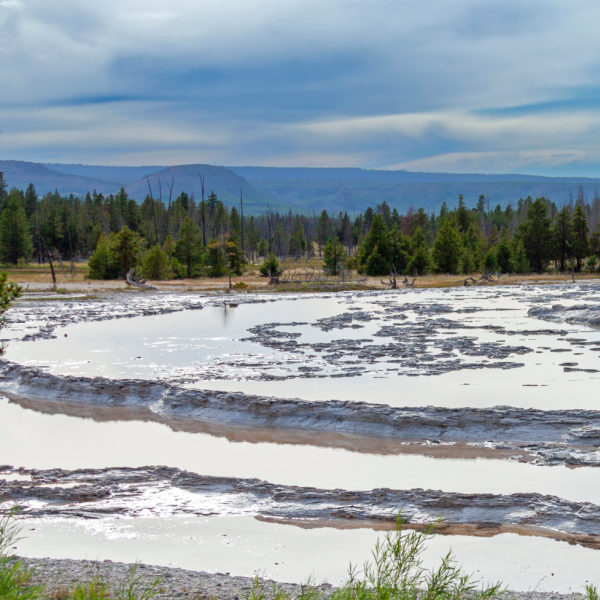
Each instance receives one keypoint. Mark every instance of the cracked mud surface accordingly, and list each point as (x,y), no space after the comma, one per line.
(164,492)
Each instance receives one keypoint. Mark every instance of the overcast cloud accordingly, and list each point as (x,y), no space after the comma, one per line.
(452,85)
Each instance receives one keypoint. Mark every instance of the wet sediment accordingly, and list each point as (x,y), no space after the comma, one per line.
(164,492)
(554,437)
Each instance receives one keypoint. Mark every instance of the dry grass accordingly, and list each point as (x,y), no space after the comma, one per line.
(72,278)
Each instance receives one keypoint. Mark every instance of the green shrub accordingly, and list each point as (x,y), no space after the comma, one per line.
(155,264)
(271,267)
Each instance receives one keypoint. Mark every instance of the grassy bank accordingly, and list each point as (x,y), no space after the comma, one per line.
(72,278)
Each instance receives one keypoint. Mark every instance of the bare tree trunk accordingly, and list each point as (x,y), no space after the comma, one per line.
(203,217)
(153,212)
(41,237)
(169,208)
(242,216)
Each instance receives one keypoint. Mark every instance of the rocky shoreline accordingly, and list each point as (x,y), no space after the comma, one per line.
(58,575)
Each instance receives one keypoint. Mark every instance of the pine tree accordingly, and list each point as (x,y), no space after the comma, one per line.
(520,264)
(215,259)
(376,264)
(188,248)
(536,235)
(595,240)
(473,240)
(562,234)
(236,261)
(581,231)
(31,200)
(420,261)
(400,250)
(334,256)
(155,264)
(101,264)
(323,230)
(125,250)
(468,264)
(490,262)
(271,267)
(377,239)
(447,249)
(9,292)
(235,225)
(462,215)
(504,256)
(15,237)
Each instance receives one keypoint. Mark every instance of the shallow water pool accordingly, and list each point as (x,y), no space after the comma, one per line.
(245,546)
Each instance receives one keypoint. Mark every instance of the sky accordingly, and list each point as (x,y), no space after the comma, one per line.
(483,86)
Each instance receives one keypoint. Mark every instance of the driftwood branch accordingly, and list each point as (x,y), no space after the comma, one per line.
(485,278)
(134,281)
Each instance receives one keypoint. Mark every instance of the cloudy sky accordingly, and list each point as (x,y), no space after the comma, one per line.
(433,85)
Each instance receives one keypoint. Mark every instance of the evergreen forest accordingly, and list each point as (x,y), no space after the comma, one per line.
(186,238)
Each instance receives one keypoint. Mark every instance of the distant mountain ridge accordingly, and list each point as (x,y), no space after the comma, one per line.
(297,188)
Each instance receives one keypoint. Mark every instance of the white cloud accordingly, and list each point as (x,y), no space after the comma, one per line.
(14,4)
(389,82)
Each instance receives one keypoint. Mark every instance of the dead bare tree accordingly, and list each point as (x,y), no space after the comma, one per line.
(410,283)
(153,211)
(392,283)
(169,208)
(49,256)
(484,279)
(242,216)
(203,217)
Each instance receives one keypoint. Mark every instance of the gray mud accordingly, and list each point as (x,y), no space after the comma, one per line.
(426,338)
(578,314)
(555,437)
(164,492)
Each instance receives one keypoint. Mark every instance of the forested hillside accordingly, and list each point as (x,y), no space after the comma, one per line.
(178,236)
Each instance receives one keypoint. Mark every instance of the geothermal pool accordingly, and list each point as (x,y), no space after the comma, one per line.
(524,348)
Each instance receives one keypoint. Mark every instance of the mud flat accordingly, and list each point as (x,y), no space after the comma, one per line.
(272,462)
(472,348)
(567,437)
(581,314)
(167,492)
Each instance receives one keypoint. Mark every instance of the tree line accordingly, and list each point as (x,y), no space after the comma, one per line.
(183,237)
